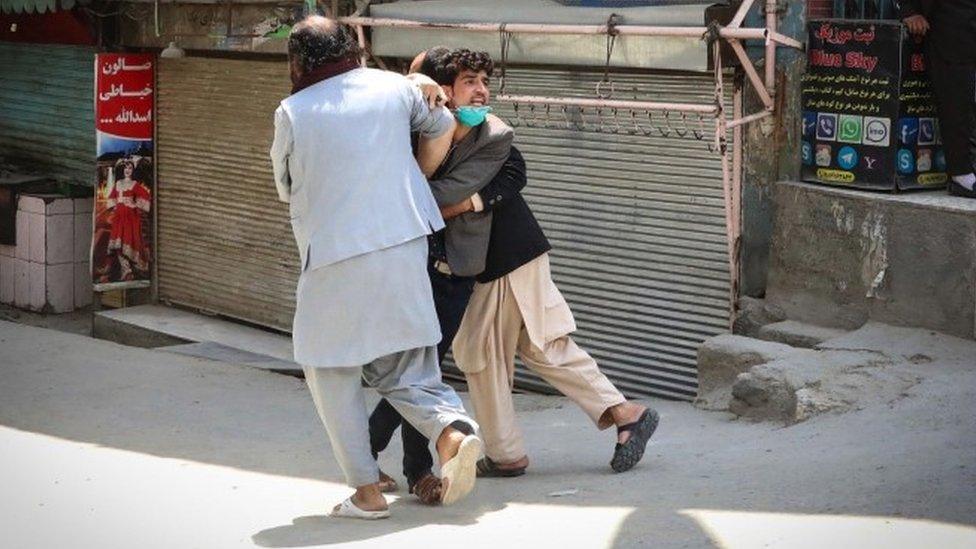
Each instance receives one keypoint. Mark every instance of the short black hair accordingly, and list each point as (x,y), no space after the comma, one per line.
(435,64)
(318,40)
(445,66)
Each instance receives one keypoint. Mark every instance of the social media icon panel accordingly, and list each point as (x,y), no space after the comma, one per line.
(877,131)
(806,152)
(827,127)
(850,128)
(906,162)
(847,157)
(908,131)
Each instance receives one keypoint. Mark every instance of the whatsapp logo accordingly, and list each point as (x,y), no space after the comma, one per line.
(851,129)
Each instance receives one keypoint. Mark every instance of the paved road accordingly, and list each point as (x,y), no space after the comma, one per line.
(108,446)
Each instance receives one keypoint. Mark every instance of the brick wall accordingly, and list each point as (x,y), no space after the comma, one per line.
(817,9)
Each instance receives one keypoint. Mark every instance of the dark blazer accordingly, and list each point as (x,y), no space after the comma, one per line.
(516,237)
(952,36)
(470,166)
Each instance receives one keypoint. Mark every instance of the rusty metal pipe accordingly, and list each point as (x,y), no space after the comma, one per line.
(529,28)
(771,48)
(608,103)
(737,122)
(751,72)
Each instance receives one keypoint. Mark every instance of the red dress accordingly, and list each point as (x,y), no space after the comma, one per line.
(126,234)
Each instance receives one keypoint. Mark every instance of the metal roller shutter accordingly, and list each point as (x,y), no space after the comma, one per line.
(224,241)
(637,222)
(47,117)
(637,225)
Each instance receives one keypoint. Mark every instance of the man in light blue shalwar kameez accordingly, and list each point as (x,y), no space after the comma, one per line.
(361,211)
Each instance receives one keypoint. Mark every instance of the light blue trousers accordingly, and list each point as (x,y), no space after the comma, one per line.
(409,380)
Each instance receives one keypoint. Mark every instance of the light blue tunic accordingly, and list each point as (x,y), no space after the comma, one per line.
(360,211)
(365,307)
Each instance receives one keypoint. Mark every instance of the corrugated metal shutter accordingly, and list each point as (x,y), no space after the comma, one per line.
(637,222)
(224,242)
(47,118)
(637,225)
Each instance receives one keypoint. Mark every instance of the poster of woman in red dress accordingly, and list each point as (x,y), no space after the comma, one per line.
(124,214)
(124,107)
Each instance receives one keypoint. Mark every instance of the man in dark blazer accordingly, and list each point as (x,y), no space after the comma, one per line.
(949,28)
(465,190)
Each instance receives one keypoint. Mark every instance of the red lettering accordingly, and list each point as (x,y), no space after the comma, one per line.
(866,36)
(820,58)
(917,62)
(825,31)
(857,60)
(830,35)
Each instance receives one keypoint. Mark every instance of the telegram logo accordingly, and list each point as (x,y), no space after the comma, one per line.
(847,158)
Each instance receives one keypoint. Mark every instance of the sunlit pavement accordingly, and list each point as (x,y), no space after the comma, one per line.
(109,446)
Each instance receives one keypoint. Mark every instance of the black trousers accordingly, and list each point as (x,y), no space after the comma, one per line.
(955,93)
(451,296)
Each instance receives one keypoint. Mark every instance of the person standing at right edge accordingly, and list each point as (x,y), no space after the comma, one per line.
(949,28)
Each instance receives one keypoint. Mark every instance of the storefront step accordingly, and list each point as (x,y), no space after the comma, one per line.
(189,333)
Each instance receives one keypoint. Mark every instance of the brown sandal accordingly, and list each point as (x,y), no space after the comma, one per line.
(427,489)
(387,484)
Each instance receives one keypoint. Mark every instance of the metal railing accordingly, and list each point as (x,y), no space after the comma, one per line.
(734,33)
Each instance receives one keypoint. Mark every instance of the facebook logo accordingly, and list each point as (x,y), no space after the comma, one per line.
(809,124)
(908,131)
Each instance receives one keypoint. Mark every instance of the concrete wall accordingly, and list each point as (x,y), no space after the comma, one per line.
(840,258)
(771,149)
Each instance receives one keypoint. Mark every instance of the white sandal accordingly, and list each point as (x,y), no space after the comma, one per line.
(458,473)
(348,509)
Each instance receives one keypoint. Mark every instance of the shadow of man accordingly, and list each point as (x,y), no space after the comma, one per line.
(317,530)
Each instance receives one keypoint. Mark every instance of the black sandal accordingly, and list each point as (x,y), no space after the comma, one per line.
(489,469)
(628,454)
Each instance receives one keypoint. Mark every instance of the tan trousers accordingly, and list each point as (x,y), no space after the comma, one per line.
(524,313)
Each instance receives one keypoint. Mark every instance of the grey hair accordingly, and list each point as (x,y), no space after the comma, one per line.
(317,40)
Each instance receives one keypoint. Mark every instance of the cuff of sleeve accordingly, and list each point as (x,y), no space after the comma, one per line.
(476,201)
(439,123)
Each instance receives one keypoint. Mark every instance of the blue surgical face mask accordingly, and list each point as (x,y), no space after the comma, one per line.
(471,116)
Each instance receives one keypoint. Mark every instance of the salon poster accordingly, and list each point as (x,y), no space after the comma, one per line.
(124,111)
(868,115)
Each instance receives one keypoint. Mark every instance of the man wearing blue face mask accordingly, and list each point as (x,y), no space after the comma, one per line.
(480,147)
(514,306)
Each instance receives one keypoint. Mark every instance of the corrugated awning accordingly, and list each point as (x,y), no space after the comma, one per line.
(37,6)
(658,52)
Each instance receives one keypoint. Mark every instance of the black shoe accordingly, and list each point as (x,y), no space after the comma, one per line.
(626,455)
(955,189)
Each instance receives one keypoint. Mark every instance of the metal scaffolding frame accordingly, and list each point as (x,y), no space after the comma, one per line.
(733,33)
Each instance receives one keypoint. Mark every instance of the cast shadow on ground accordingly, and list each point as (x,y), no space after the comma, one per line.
(318,530)
(171,406)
